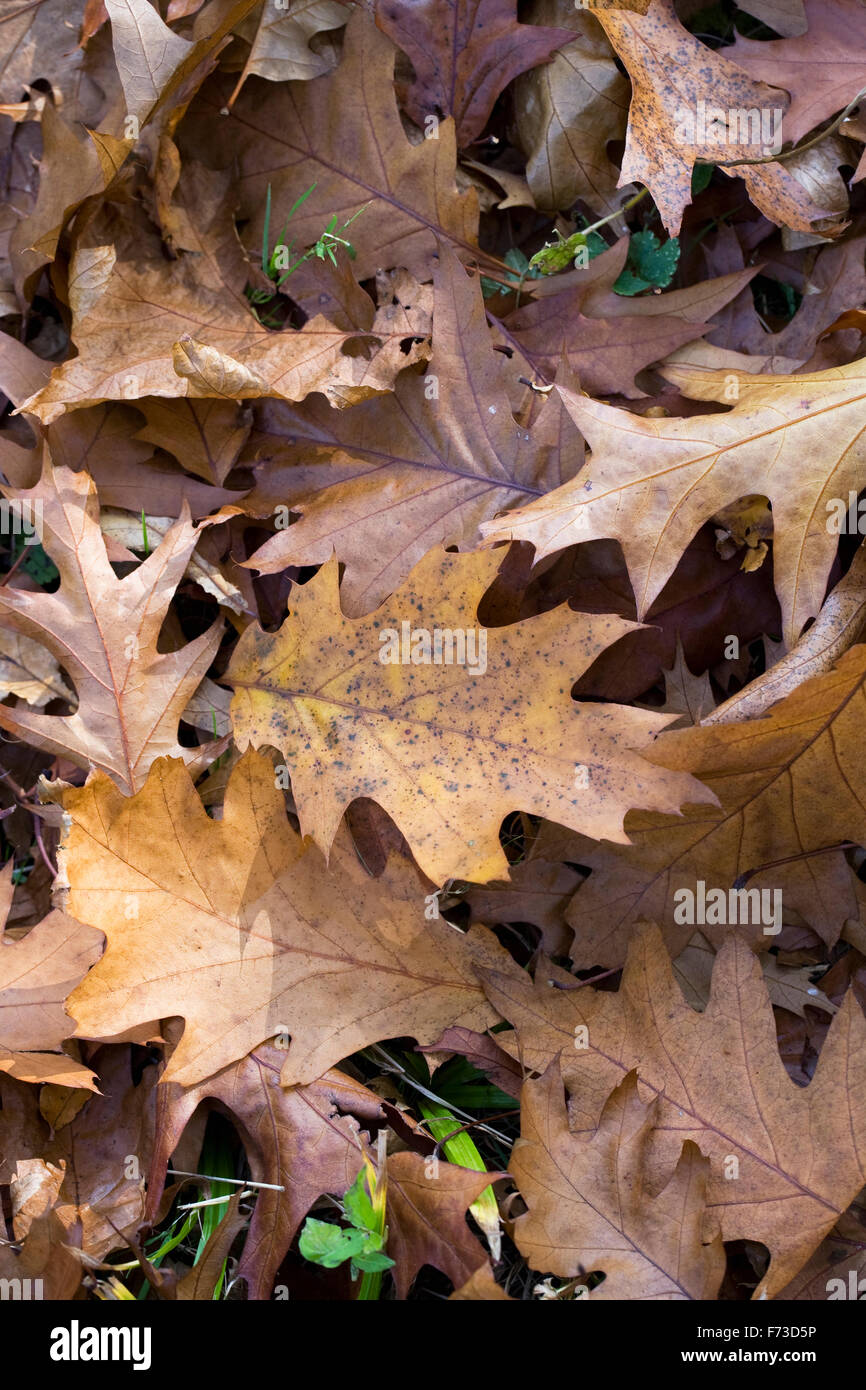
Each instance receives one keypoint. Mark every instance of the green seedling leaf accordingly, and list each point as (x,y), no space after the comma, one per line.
(650,265)
(701,175)
(565,253)
(328,1245)
(358,1206)
(372,1262)
(558,255)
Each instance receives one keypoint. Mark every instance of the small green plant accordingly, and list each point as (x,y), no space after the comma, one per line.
(277,262)
(563,253)
(650,265)
(363,1207)
(516,261)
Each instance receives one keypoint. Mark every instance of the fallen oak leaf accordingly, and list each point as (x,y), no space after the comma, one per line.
(103,632)
(195,332)
(823,69)
(133,531)
(652,482)
(484,1054)
(835,281)
(686,694)
(213,373)
(45,1264)
(22,373)
(463,55)
(28,670)
(427,1219)
(508,190)
(244,946)
(36,46)
(355,714)
(85,1173)
(37,974)
(294,135)
(604,337)
(789,987)
(590,1209)
(605,354)
(719,1081)
(205,435)
(280,47)
(536,892)
(838,1267)
(146,51)
(424,465)
(568,110)
(304,1140)
(777,830)
(158,68)
(674,78)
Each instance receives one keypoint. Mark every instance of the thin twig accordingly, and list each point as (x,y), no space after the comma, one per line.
(236,1182)
(796,149)
(431,1095)
(37,831)
(21,555)
(743,879)
(212,1201)
(579,984)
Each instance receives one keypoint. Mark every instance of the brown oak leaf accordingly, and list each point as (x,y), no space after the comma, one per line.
(447,747)
(717,1079)
(103,631)
(237,928)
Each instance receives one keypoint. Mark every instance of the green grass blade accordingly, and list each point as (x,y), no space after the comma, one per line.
(461,1149)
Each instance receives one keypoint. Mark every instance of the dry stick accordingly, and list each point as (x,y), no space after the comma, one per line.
(37,831)
(593,979)
(837,627)
(9,574)
(740,883)
(394,1066)
(236,1182)
(797,149)
(213,1201)
(19,792)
